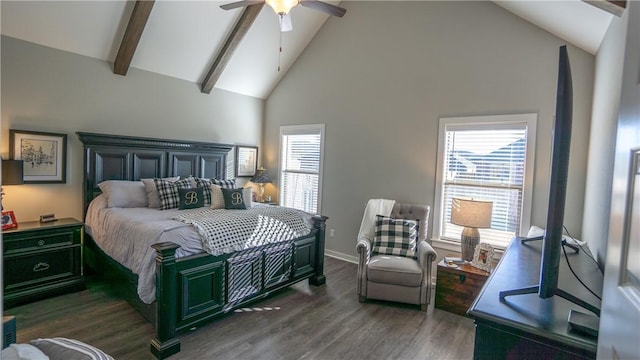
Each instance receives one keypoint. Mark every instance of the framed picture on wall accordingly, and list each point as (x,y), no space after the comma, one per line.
(44,155)
(246,160)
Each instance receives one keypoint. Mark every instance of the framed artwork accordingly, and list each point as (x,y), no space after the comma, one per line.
(246,160)
(44,155)
(8,220)
(483,257)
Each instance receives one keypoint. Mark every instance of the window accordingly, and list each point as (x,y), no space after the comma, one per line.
(301,152)
(488,158)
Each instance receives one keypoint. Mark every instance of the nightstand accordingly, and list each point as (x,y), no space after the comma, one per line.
(457,287)
(41,260)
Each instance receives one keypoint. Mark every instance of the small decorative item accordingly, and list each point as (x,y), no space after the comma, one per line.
(44,155)
(47,218)
(246,160)
(8,220)
(483,257)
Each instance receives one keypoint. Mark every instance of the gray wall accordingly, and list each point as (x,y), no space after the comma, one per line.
(382,76)
(606,100)
(49,90)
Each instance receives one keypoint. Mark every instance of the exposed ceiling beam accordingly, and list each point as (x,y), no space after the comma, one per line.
(240,29)
(616,7)
(137,22)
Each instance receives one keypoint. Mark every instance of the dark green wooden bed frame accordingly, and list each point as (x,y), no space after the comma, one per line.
(193,290)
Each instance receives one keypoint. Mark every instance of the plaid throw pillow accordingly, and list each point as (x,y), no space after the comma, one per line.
(395,237)
(205,184)
(225,184)
(168,191)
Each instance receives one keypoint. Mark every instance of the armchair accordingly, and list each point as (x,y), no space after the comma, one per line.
(398,278)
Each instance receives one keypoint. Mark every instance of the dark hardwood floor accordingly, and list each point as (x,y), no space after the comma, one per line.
(300,322)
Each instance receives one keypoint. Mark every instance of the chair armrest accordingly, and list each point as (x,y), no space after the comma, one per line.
(426,254)
(363,246)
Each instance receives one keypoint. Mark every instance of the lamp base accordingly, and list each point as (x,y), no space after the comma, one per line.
(468,240)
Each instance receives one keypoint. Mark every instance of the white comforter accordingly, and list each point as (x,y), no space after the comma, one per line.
(126,234)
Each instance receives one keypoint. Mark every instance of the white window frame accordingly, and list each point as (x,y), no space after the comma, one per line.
(287,130)
(480,122)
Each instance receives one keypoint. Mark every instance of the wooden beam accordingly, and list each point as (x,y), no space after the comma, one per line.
(137,22)
(616,7)
(230,45)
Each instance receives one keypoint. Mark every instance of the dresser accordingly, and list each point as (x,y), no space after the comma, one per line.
(526,326)
(41,260)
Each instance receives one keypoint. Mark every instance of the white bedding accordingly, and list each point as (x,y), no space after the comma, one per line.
(126,235)
(110,228)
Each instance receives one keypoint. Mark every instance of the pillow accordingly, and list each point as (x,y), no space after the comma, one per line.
(233,199)
(124,194)
(152,193)
(68,349)
(191,198)
(225,184)
(395,237)
(168,191)
(205,184)
(22,352)
(217,199)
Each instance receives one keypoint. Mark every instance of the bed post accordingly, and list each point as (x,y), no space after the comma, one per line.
(166,342)
(320,223)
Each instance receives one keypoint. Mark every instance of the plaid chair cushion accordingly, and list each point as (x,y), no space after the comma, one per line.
(395,237)
(168,191)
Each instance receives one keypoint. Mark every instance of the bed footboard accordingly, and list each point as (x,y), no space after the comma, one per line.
(192,291)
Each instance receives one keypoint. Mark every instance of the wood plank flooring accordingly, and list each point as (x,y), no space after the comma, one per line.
(300,322)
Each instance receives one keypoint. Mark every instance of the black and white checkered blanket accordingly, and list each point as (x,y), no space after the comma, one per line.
(227,231)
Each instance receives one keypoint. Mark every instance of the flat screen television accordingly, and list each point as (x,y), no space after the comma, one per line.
(552,239)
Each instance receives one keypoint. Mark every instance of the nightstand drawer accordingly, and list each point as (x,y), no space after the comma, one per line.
(41,267)
(35,241)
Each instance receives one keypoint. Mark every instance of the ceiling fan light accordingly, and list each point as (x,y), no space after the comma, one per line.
(282,6)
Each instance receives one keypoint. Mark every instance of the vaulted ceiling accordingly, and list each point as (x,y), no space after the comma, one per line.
(235,50)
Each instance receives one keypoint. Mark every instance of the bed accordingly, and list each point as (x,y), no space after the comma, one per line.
(191,288)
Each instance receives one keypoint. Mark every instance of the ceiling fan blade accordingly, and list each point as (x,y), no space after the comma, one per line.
(238,4)
(285,22)
(324,7)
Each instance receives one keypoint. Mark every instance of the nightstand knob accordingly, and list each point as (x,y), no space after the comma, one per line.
(40,242)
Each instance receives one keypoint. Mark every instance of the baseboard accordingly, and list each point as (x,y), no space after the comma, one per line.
(341,256)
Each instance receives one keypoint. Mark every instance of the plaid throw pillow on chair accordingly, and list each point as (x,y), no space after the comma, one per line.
(395,237)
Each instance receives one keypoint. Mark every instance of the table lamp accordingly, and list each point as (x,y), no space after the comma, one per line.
(12,171)
(472,214)
(261,177)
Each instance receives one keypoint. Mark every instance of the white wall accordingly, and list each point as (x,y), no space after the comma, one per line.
(49,90)
(382,76)
(604,119)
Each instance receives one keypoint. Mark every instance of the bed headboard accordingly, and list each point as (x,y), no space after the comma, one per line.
(117,157)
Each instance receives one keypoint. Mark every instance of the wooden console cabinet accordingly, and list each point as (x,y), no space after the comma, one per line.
(42,259)
(526,326)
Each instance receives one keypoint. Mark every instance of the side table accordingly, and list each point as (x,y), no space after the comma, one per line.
(458,286)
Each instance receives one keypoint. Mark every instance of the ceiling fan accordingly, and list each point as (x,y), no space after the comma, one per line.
(282,8)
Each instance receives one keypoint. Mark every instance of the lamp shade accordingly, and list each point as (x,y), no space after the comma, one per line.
(471,213)
(12,171)
(261,176)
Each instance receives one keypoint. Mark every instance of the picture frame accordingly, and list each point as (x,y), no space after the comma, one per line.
(483,257)
(9,220)
(44,155)
(246,160)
